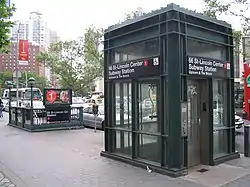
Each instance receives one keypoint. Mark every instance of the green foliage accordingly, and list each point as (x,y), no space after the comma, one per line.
(214,8)
(41,82)
(76,62)
(6,76)
(5,24)
(134,14)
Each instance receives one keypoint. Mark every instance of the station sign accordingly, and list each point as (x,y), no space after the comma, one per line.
(57,96)
(58,115)
(208,67)
(135,69)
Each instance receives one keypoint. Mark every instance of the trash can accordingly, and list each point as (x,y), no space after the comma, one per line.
(247,140)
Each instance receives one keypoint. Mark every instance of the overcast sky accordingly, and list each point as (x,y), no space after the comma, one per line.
(70,17)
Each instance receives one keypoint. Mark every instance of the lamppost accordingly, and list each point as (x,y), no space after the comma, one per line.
(31,81)
(17,63)
(10,85)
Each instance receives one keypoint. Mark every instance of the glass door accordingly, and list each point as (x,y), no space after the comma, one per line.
(148,126)
(194,122)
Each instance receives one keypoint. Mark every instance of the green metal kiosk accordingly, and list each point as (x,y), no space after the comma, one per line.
(169,91)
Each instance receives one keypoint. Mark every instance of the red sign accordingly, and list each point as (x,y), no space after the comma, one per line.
(51,96)
(23,56)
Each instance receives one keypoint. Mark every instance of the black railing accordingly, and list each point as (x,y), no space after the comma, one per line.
(38,120)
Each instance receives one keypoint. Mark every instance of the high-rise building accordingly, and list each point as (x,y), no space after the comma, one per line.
(8,61)
(53,37)
(23,27)
(34,29)
(38,30)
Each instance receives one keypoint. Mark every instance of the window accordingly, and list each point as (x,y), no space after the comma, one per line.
(219,103)
(37,95)
(220,118)
(123,99)
(206,50)
(148,118)
(136,51)
(86,110)
(123,143)
(149,147)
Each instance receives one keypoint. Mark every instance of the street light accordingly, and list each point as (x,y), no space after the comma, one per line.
(17,63)
(31,81)
(10,85)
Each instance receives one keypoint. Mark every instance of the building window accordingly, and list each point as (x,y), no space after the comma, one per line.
(220,117)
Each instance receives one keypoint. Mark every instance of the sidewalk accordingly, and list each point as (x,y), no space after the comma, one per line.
(72,159)
(5,182)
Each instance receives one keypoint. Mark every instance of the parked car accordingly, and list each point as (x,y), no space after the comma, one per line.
(78,102)
(89,118)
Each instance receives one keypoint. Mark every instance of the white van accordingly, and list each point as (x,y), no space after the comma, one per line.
(24,96)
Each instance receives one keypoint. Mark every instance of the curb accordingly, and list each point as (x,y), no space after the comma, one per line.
(9,176)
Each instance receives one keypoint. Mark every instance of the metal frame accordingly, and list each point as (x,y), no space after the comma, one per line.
(172,26)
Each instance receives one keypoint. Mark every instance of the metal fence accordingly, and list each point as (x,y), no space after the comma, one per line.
(37,119)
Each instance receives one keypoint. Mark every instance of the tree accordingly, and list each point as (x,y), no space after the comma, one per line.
(134,14)
(77,62)
(6,13)
(215,8)
(218,7)
(5,76)
(41,82)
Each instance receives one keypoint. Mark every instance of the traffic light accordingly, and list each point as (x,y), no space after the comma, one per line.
(243,74)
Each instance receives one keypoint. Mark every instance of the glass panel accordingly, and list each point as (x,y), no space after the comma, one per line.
(127,105)
(206,50)
(193,122)
(148,104)
(206,34)
(149,147)
(136,51)
(123,143)
(117,104)
(123,113)
(219,103)
(220,143)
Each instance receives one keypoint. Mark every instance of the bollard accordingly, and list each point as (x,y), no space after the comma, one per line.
(81,116)
(247,140)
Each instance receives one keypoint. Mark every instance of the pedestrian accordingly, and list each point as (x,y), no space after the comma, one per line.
(1,108)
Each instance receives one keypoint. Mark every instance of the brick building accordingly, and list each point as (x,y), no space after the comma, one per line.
(8,61)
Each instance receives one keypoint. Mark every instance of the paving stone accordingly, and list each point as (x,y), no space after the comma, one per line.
(72,158)
(1,176)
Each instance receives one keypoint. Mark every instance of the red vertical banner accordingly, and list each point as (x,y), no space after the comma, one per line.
(23,52)
(247,89)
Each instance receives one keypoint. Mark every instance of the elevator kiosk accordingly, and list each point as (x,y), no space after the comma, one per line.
(169,91)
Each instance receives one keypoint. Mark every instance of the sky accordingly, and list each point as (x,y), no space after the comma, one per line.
(71,17)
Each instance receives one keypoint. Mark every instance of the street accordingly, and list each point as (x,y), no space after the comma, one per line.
(69,158)
(72,158)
